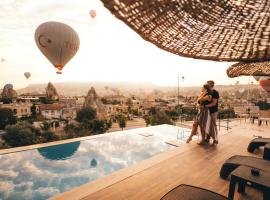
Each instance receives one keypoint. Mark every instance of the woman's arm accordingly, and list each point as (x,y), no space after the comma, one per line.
(206,98)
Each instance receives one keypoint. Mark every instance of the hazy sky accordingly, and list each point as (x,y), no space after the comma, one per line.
(109,50)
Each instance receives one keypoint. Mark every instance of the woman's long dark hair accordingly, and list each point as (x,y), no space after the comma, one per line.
(208,88)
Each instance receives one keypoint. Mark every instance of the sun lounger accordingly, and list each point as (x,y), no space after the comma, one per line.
(256,143)
(235,161)
(188,192)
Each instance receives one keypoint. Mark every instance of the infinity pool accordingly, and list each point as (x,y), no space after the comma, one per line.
(45,172)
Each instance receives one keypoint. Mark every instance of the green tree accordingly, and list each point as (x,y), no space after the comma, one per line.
(109,124)
(99,126)
(24,133)
(160,118)
(135,112)
(45,126)
(49,136)
(86,114)
(147,120)
(6,100)
(6,117)
(121,119)
(21,134)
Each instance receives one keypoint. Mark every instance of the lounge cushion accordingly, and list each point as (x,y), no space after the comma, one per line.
(256,143)
(235,161)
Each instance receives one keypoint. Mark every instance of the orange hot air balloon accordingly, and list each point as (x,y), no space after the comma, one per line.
(58,42)
(27,75)
(265,84)
(93,13)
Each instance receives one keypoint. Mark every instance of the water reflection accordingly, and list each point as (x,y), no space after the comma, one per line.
(59,152)
(43,173)
(93,163)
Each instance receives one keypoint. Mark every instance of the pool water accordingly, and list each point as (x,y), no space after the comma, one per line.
(42,173)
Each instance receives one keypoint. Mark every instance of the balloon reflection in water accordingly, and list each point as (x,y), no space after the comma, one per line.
(59,152)
(93,163)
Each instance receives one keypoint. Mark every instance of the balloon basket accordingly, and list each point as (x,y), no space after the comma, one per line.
(58,72)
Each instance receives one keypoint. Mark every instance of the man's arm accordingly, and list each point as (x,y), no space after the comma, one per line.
(214,102)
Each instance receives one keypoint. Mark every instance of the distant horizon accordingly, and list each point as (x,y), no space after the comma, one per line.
(121,82)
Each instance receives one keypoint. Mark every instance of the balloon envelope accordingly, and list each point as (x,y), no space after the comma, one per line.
(265,84)
(58,42)
(8,86)
(27,75)
(257,78)
(93,13)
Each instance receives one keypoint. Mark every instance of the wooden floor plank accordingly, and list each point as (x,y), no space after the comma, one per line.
(198,166)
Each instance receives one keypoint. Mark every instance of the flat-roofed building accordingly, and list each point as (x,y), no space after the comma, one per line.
(19,109)
(51,111)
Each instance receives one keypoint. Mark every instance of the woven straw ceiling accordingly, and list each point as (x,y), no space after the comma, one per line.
(222,30)
(247,69)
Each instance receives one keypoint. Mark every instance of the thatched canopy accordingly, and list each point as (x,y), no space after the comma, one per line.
(222,30)
(249,69)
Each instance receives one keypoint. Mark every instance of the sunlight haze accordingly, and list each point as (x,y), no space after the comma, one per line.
(109,49)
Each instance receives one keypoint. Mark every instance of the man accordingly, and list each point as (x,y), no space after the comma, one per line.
(213,108)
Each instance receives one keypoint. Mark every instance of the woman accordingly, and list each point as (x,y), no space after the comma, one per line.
(203,118)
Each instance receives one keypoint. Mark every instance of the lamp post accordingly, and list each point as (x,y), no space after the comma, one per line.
(178,93)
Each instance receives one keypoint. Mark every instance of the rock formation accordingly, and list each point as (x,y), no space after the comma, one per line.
(8,92)
(51,92)
(92,101)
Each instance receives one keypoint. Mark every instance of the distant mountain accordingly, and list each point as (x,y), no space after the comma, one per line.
(81,88)
(126,88)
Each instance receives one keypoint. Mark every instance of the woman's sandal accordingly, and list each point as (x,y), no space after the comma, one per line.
(201,143)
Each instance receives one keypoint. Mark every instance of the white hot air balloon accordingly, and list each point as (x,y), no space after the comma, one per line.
(58,42)
(93,13)
(27,75)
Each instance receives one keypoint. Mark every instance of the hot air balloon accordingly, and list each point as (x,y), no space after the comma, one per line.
(93,163)
(58,42)
(8,86)
(257,78)
(93,13)
(265,84)
(2,60)
(27,75)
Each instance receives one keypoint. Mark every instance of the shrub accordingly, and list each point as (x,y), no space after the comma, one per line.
(6,117)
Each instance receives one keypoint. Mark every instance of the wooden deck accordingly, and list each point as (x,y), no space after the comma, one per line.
(197,166)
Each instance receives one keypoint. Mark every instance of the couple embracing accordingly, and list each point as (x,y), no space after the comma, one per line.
(206,118)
